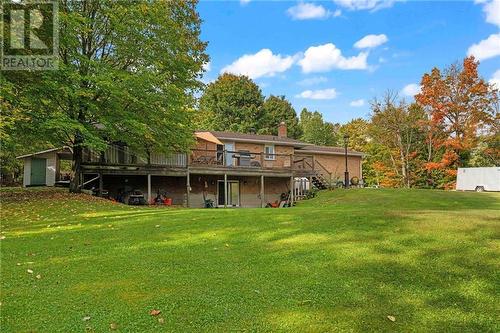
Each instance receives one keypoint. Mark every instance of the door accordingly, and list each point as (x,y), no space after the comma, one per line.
(229,153)
(233,193)
(38,171)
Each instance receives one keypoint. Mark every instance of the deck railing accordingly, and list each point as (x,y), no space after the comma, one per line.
(115,155)
(239,159)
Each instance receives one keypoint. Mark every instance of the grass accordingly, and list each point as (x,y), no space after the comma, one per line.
(341,262)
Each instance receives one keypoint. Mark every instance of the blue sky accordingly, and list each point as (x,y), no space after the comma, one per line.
(335,56)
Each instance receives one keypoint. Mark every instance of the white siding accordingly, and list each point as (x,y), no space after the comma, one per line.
(50,171)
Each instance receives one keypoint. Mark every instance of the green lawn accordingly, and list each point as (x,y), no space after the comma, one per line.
(341,262)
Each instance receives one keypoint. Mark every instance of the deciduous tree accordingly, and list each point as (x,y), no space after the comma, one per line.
(460,105)
(127,72)
(317,131)
(395,125)
(275,110)
(231,103)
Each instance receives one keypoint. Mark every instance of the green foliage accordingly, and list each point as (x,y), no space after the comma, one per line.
(127,72)
(275,110)
(342,261)
(235,103)
(231,103)
(317,131)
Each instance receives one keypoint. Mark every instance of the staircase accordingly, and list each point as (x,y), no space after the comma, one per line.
(320,177)
(319,182)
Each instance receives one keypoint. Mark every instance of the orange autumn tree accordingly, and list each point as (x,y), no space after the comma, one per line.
(459,105)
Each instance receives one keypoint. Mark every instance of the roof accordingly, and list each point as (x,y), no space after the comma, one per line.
(59,150)
(258,138)
(328,150)
(208,137)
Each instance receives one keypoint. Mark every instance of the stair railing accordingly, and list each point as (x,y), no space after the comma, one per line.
(321,171)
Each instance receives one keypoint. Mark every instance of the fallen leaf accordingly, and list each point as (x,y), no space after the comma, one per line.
(39,276)
(161,320)
(29,271)
(18,264)
(227,245)
(86,318)
(157,226)
(154,312)
(113,326)
(391,318)
(2,237)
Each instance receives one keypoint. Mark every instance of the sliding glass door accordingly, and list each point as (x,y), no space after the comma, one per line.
(233,193)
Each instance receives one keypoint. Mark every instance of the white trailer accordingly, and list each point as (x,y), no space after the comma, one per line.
(478,179)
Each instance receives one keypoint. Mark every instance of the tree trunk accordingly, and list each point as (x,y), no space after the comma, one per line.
(74,185)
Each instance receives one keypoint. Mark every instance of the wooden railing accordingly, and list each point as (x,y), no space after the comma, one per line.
(239,159)
(116,155)
(119,155)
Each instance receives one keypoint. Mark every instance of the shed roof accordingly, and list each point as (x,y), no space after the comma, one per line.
(65,150)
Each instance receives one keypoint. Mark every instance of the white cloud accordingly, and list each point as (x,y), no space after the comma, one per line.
(326,57)
(262,63)
(357,103)
(370,41)
(309,11)
(492,11)
(318,94)
(244,2)
(487,48)
(411,89)
(312,81)
(337,13)
(495,79)
(372,5)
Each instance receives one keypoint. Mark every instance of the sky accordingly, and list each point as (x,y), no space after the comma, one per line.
(336,56)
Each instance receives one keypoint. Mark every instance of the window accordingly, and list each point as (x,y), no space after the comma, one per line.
(269,152)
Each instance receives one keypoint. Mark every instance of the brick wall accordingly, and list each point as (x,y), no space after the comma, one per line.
(249,189)
(336,165)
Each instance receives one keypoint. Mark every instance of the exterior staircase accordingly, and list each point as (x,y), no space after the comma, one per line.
(320,177)
(319,182)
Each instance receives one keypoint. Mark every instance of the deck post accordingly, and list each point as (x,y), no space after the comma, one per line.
(262,199)
(225,190)
(101,184)
(149,189)
(291,190)
(188,188)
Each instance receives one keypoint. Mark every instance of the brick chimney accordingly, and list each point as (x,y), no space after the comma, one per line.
(282,130)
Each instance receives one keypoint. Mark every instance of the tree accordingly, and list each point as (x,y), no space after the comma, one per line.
(275,110)
(460,105)
(231,103)
(127,72)
(395,126)
(316,131)
(357,130)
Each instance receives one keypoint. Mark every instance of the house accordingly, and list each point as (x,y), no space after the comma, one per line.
(232,169)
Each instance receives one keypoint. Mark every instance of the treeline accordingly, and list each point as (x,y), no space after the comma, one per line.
(453,122)
(236,103)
